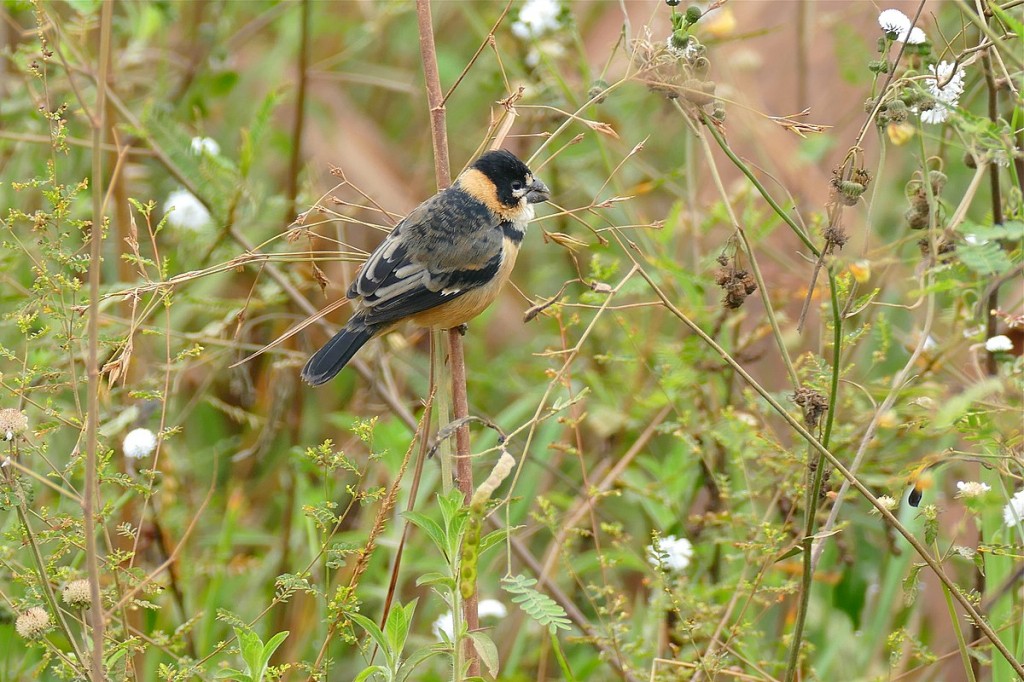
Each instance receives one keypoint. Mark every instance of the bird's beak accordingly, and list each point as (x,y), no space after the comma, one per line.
(538,192)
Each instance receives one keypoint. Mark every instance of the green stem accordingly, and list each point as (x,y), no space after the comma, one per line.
(560,657)
(749,250)
(960,642)
(799,428)
(44,583)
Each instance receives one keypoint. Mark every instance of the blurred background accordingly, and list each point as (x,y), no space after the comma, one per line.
(253,154)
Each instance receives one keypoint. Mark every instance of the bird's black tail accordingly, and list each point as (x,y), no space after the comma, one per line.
(330,359)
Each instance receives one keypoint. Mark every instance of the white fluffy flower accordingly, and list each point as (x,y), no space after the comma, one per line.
(33,623)
(688,51)
(1013,513)
(12,422)
(185,211)
(672,553)
(896,24)
(77,593)
(492,608)
(139,443)
(971,488)
(916,37)
(444,626)
(536,18)
(887,501)
(999,344)
(945,86)
(205,145)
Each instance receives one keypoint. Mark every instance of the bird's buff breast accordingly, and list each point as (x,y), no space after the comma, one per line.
(469,305)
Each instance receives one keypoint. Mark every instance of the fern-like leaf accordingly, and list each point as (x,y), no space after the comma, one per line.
(537,605)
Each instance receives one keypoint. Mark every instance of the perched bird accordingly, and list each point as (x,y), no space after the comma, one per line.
(444,263)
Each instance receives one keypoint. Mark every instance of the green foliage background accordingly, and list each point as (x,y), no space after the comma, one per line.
(271,507)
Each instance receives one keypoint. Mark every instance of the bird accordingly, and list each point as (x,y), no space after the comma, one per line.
(444,263)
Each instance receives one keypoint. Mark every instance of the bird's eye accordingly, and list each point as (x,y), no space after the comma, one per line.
(516,185)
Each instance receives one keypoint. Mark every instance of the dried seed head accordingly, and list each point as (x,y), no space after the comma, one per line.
(596,89)
(916,218)
(700,66)
(737,284)
(835,238)
(814,404)
(696,91)
(897,111)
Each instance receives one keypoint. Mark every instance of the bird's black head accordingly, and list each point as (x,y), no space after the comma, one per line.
(512,180)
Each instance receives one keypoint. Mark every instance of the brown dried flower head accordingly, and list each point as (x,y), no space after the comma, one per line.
(814,405)
(737,284)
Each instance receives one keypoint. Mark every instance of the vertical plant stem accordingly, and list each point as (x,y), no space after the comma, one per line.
(44,581)
(300,109)
(961,644)
(813,458)
(997,211)
(991,305)
(460,401)
(89,501)
(800,429)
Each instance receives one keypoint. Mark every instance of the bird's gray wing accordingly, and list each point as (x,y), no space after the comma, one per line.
(446,247)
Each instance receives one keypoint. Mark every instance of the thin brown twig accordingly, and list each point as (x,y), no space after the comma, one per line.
(91,492)
(295,161)
(817,445)
(457,358)
(479,50)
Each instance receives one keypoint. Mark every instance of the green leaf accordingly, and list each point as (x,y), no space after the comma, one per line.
(85,7)
(450,505)
(850,594)
(1015,24)
(986,258)
(375,632)
(537,605)
(232,674)
(495,537)
(419,656)
(488,651)
(791,552)
(429,526)
(372,670)
(253,136)
(434,578)
(957,406)
(269,648)
(397,628)
(251,648)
